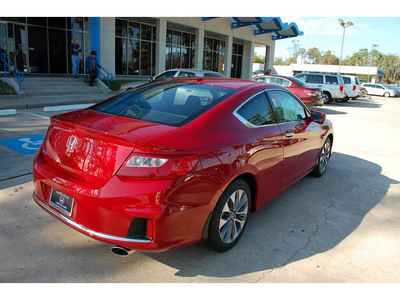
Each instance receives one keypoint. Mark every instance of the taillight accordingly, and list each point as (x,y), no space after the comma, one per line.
(153,167)
(312,93)
(341,88)
(354,87)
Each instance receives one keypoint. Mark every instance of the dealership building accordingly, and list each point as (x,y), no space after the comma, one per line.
(142,46)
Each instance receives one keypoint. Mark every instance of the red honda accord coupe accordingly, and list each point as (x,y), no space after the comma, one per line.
(310,96)
(176,161)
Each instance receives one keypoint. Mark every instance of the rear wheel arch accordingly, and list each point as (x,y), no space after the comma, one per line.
(251,182)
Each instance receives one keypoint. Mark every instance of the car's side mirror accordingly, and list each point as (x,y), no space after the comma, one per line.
(318,116)
(150,79)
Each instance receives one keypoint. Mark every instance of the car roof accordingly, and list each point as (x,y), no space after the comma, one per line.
(192,70)
(232,83)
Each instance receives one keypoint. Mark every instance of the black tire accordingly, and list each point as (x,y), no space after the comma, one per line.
(230,217)
(327,97)
(323,159)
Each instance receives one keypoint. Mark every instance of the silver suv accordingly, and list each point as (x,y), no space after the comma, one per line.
(331,85)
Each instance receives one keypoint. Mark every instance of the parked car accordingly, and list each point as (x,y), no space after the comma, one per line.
(157,168)
(309,96)
(363,92)
(395,87)
(351,86)
(175,73)
(331,85)
(379,89)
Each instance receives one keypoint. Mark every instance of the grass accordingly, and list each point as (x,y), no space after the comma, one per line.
(116,84)
(5,89)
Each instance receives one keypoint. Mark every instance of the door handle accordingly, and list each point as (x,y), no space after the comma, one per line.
(289,134)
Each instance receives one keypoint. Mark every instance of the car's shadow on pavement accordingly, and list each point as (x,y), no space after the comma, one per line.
(311,217)
(359,102)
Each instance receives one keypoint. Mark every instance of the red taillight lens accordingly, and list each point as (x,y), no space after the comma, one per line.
(146,167)
(354,87)
(313,93)
(341,88)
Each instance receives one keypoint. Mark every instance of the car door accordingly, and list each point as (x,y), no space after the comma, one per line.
(301,136)
(263,147)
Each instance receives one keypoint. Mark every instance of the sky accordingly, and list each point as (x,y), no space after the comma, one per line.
(326,34)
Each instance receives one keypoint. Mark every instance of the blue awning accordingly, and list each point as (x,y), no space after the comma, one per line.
(263,25)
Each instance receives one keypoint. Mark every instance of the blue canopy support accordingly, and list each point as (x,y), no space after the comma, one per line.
(265,25)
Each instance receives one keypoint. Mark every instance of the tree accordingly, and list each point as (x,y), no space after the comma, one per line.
(259,59)
(295,51)
(280,61)
(314,56)
(329,59)
(360,58)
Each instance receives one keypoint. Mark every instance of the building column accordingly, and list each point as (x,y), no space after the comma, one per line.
(199,50)
(107,44)
(248,58)
(228,55)
(161,45)
(95,40)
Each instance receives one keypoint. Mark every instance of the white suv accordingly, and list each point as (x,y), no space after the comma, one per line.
(331,85)
(351,86)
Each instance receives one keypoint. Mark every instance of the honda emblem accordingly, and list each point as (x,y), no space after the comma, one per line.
(71,143)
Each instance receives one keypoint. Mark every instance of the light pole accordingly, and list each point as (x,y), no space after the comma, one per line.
(372,60)
(344,25)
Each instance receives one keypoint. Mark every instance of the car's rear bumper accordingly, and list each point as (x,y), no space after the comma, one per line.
(122,211)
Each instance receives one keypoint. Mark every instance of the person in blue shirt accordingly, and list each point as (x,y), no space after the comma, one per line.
(91,65)
(268,72)
(75,49)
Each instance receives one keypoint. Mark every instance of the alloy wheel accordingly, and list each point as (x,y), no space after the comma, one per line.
(233,216)
(324,156)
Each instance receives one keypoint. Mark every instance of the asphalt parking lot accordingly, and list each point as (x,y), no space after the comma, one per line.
(342,227)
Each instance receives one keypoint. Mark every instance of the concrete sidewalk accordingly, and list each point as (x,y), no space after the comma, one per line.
(14,101)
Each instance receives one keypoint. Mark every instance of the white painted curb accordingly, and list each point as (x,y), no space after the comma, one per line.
(7,112)
(67,107)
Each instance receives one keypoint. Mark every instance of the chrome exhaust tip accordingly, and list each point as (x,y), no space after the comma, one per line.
(121,251)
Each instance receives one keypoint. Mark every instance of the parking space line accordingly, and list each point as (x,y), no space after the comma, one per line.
(36,115)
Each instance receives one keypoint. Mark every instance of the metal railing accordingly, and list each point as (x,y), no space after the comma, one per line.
(8,63)
(108,76)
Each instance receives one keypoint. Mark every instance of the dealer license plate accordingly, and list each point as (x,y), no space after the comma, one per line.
(61,202)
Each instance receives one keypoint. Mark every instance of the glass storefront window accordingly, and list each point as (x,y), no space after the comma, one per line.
(133,30)
(214,55)
(75,23)
(134,55)
(120,28)
(237,57)
(37,21)
(180,54)
(56,22)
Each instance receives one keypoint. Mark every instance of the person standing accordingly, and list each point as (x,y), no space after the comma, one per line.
(91,65)
(75,49)
(268,72)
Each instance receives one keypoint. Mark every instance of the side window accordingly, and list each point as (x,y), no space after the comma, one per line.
(259,79)
(286,82)
(186,74)
(257,111)
(314,79)
(346,80)
(379,87)
(331,79)
(287,109)
(168,74)
(277,80)
(357,81)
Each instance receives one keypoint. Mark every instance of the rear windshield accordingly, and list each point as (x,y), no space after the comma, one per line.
(169,103)
(299,81)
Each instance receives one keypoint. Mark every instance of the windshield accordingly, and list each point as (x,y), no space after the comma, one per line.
(169,103)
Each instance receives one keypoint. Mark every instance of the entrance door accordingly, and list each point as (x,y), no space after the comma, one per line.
(38,61)
(20,47)
(3,42)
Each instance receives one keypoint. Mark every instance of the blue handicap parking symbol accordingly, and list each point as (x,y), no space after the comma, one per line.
(25,145)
